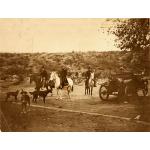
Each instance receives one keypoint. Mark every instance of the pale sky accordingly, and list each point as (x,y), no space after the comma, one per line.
(55,35)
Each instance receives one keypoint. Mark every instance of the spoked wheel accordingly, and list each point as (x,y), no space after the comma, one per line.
(103,92)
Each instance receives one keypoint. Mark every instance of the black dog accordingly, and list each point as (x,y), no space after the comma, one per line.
(13,94)
(42,94)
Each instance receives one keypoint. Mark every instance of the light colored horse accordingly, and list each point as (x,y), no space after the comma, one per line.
(54,77)
(89,84)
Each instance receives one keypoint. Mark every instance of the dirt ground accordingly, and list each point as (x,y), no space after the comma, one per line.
(42,119)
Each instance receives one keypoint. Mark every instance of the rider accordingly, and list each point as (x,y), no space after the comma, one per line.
(63,76)
(44,75)
(88,74)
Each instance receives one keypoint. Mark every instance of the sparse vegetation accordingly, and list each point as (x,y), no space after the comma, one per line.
(25,64)
(13,64)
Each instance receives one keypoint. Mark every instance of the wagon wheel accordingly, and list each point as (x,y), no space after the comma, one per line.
(103,92)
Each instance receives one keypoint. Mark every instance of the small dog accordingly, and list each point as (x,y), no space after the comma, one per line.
(42,94)
(25,99)
(13,94)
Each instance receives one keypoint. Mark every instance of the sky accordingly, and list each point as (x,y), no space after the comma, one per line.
(55,35)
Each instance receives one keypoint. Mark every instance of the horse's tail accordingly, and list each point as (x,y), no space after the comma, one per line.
(72,89)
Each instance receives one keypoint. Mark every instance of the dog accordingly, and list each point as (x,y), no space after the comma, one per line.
(25,99)
(42,94)
(12,94)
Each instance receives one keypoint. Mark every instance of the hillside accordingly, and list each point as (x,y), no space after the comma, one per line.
(28,63)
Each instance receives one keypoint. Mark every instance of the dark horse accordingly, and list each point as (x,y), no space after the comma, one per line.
(36,78)
(89,84)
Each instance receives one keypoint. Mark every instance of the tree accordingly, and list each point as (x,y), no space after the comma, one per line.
(133,35)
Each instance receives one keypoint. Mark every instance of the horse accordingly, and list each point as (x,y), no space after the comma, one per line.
(89,84)
(36,78)
(38,83)
(57,81)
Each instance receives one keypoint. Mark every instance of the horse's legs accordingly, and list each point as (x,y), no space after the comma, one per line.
(52,91)
(57,91)
(86,90)
(91,91)
(69,94)
(35,99)
(58,94)
(68,90)
(25,108)
(15,98)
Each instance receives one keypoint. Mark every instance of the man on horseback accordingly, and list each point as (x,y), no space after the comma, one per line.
(88,74)
(44,75)
(63,76)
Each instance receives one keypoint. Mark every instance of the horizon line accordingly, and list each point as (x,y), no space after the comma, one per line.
(73,51)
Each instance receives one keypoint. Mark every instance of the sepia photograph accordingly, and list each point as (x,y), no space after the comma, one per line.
(75,75)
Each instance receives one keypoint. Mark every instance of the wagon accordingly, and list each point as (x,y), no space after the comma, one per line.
(123,85)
